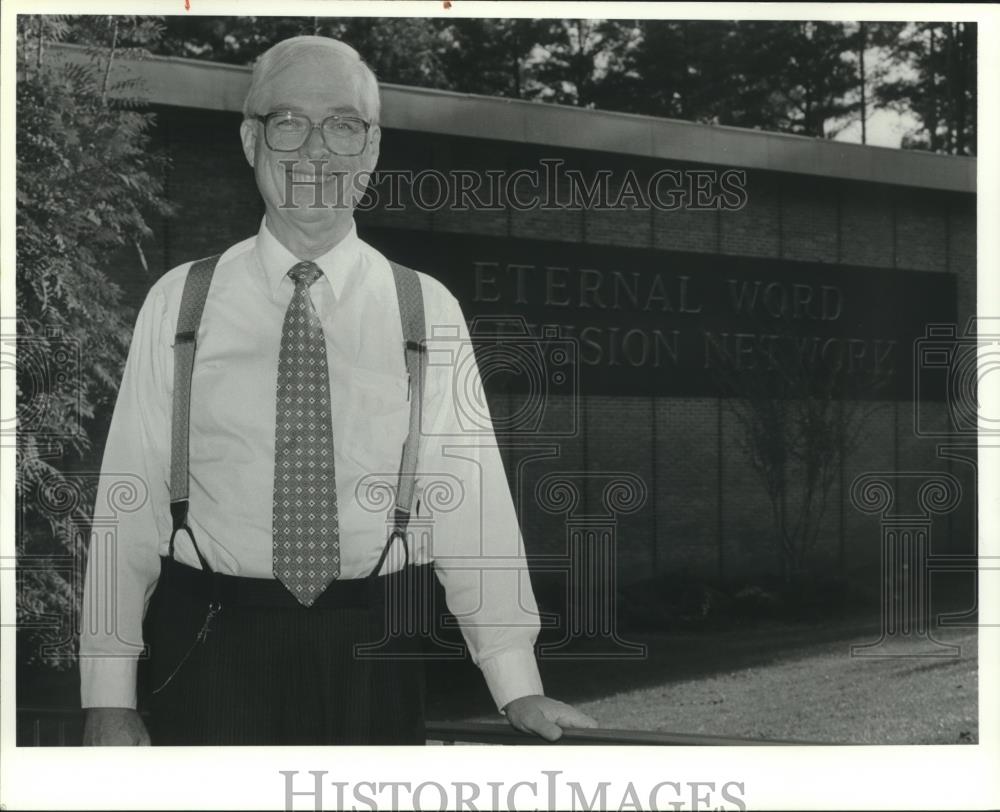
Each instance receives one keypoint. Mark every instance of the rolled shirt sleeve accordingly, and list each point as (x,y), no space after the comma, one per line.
(477,544)
(129,518)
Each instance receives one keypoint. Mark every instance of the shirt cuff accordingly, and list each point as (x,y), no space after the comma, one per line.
(107,682)
(511,675)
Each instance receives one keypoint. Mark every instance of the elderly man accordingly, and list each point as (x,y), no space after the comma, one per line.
(257,555)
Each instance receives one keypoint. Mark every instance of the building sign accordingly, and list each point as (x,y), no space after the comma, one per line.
(642,322)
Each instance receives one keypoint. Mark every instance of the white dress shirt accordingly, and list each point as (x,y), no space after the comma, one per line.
(474,539)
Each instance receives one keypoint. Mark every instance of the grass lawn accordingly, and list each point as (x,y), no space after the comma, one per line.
(821,694)
(777,681)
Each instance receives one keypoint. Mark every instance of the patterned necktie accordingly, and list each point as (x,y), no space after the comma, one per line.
(306,536)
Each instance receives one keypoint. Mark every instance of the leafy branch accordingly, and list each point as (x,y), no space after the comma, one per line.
(87,181)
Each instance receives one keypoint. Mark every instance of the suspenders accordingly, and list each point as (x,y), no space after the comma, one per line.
(411,313)
(196,286)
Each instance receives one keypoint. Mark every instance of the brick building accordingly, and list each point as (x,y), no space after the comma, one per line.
(853,250)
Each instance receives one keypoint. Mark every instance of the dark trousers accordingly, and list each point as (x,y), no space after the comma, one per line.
(270,672)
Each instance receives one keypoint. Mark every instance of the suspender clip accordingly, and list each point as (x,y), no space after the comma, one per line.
(179,512)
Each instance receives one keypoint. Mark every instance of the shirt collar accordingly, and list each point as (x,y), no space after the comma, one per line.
(337,263)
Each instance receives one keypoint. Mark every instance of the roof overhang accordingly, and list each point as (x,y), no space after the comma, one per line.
(206,85)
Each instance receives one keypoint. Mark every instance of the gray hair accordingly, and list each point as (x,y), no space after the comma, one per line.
(284,53)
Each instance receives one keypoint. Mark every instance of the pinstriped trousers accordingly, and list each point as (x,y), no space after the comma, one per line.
(267,675)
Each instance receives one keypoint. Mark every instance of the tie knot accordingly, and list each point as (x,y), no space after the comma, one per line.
(305,272)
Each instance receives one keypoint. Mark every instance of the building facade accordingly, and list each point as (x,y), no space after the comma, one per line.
(638,259)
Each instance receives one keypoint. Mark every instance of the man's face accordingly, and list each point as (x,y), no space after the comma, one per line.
(292,183)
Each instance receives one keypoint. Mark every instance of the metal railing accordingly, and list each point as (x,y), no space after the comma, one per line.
(502,733)
(63,727)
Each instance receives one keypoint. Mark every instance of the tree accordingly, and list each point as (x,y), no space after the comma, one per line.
(681,69)
(936,82)
(786,76)
(86,181)
(870,43)
(798,421)
(234,40)
(493,56)
(799,73)
(402,50)
(576,59)
(807,77)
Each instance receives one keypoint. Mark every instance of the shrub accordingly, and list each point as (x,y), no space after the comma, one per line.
(86,180)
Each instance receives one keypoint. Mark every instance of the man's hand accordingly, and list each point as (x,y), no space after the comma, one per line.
(545,717)
(115,727)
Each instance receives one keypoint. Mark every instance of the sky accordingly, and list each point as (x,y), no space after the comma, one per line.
(885,129)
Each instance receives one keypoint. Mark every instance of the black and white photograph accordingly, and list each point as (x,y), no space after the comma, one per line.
(568,385)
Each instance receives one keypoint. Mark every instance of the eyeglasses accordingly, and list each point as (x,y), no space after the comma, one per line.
(287,132)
